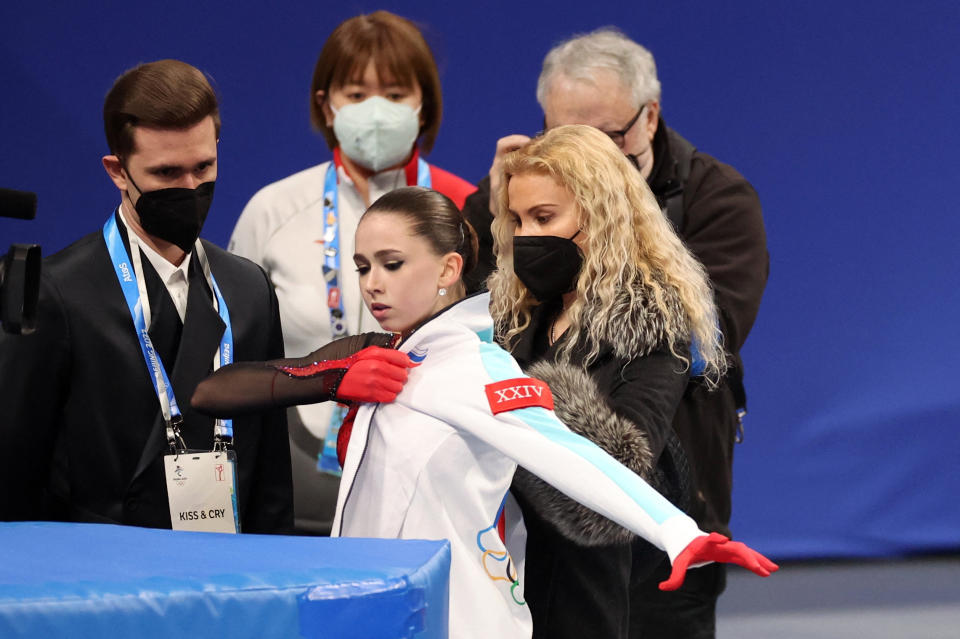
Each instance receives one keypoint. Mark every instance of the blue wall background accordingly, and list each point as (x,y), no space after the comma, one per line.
(842,114)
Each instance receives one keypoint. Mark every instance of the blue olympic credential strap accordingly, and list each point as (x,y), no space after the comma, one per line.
(223,427)
(423,174)
(127,277)
(331,253)
(327,460)
(128,282)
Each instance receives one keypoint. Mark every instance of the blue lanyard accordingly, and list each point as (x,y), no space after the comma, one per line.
(331,243)
(127,276)
(423,174)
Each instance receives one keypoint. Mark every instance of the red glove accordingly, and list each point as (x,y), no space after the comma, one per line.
(374,374)
(716,547)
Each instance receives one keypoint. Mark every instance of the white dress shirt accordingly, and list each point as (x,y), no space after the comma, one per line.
(174,277)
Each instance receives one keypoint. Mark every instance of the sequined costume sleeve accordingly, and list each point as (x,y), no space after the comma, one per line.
(249,387)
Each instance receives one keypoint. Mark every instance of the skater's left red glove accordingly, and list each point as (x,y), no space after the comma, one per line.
(716,547)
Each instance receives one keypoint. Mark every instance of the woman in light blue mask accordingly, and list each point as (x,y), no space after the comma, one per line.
(375,97)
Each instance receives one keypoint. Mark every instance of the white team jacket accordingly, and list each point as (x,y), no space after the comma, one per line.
(437,464)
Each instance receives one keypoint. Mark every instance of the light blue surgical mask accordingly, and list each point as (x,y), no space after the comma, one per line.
(376,133)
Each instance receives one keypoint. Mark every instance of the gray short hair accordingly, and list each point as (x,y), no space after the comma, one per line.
(607,48)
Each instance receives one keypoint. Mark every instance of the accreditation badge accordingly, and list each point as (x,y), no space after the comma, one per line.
(202,491)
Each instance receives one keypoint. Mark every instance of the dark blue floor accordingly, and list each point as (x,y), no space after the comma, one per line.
(878,599)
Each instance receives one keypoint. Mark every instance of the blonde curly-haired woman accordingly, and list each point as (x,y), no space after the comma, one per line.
(597,296)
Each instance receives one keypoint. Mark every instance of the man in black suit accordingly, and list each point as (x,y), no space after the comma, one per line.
(83,430)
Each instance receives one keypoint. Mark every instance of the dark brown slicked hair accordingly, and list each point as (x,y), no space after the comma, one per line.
(166,94)
(434,217)
(398,51)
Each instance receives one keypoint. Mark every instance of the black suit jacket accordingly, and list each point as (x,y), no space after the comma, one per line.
(81,437)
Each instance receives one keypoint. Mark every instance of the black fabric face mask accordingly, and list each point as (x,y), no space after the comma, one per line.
(547,265)
(175,215)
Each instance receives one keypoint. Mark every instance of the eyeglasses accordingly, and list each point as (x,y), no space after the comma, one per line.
(618,136)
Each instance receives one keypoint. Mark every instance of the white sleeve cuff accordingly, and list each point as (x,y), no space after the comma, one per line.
(677,533)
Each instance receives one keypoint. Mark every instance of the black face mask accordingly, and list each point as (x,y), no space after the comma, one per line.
(547,265)
(174,215)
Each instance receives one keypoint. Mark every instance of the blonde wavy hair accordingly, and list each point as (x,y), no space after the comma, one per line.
(631,250)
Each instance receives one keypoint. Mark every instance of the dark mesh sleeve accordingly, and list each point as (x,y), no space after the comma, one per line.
(251,387)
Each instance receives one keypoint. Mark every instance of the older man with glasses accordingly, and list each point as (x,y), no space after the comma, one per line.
(606,80)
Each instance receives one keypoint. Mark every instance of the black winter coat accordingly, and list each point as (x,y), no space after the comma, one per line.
(579,565)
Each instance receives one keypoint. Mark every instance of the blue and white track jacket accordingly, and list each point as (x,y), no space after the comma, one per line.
(437,464)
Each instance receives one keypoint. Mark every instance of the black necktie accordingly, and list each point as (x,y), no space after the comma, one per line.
(165,324)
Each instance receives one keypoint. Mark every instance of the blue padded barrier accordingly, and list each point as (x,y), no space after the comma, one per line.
(91,580)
